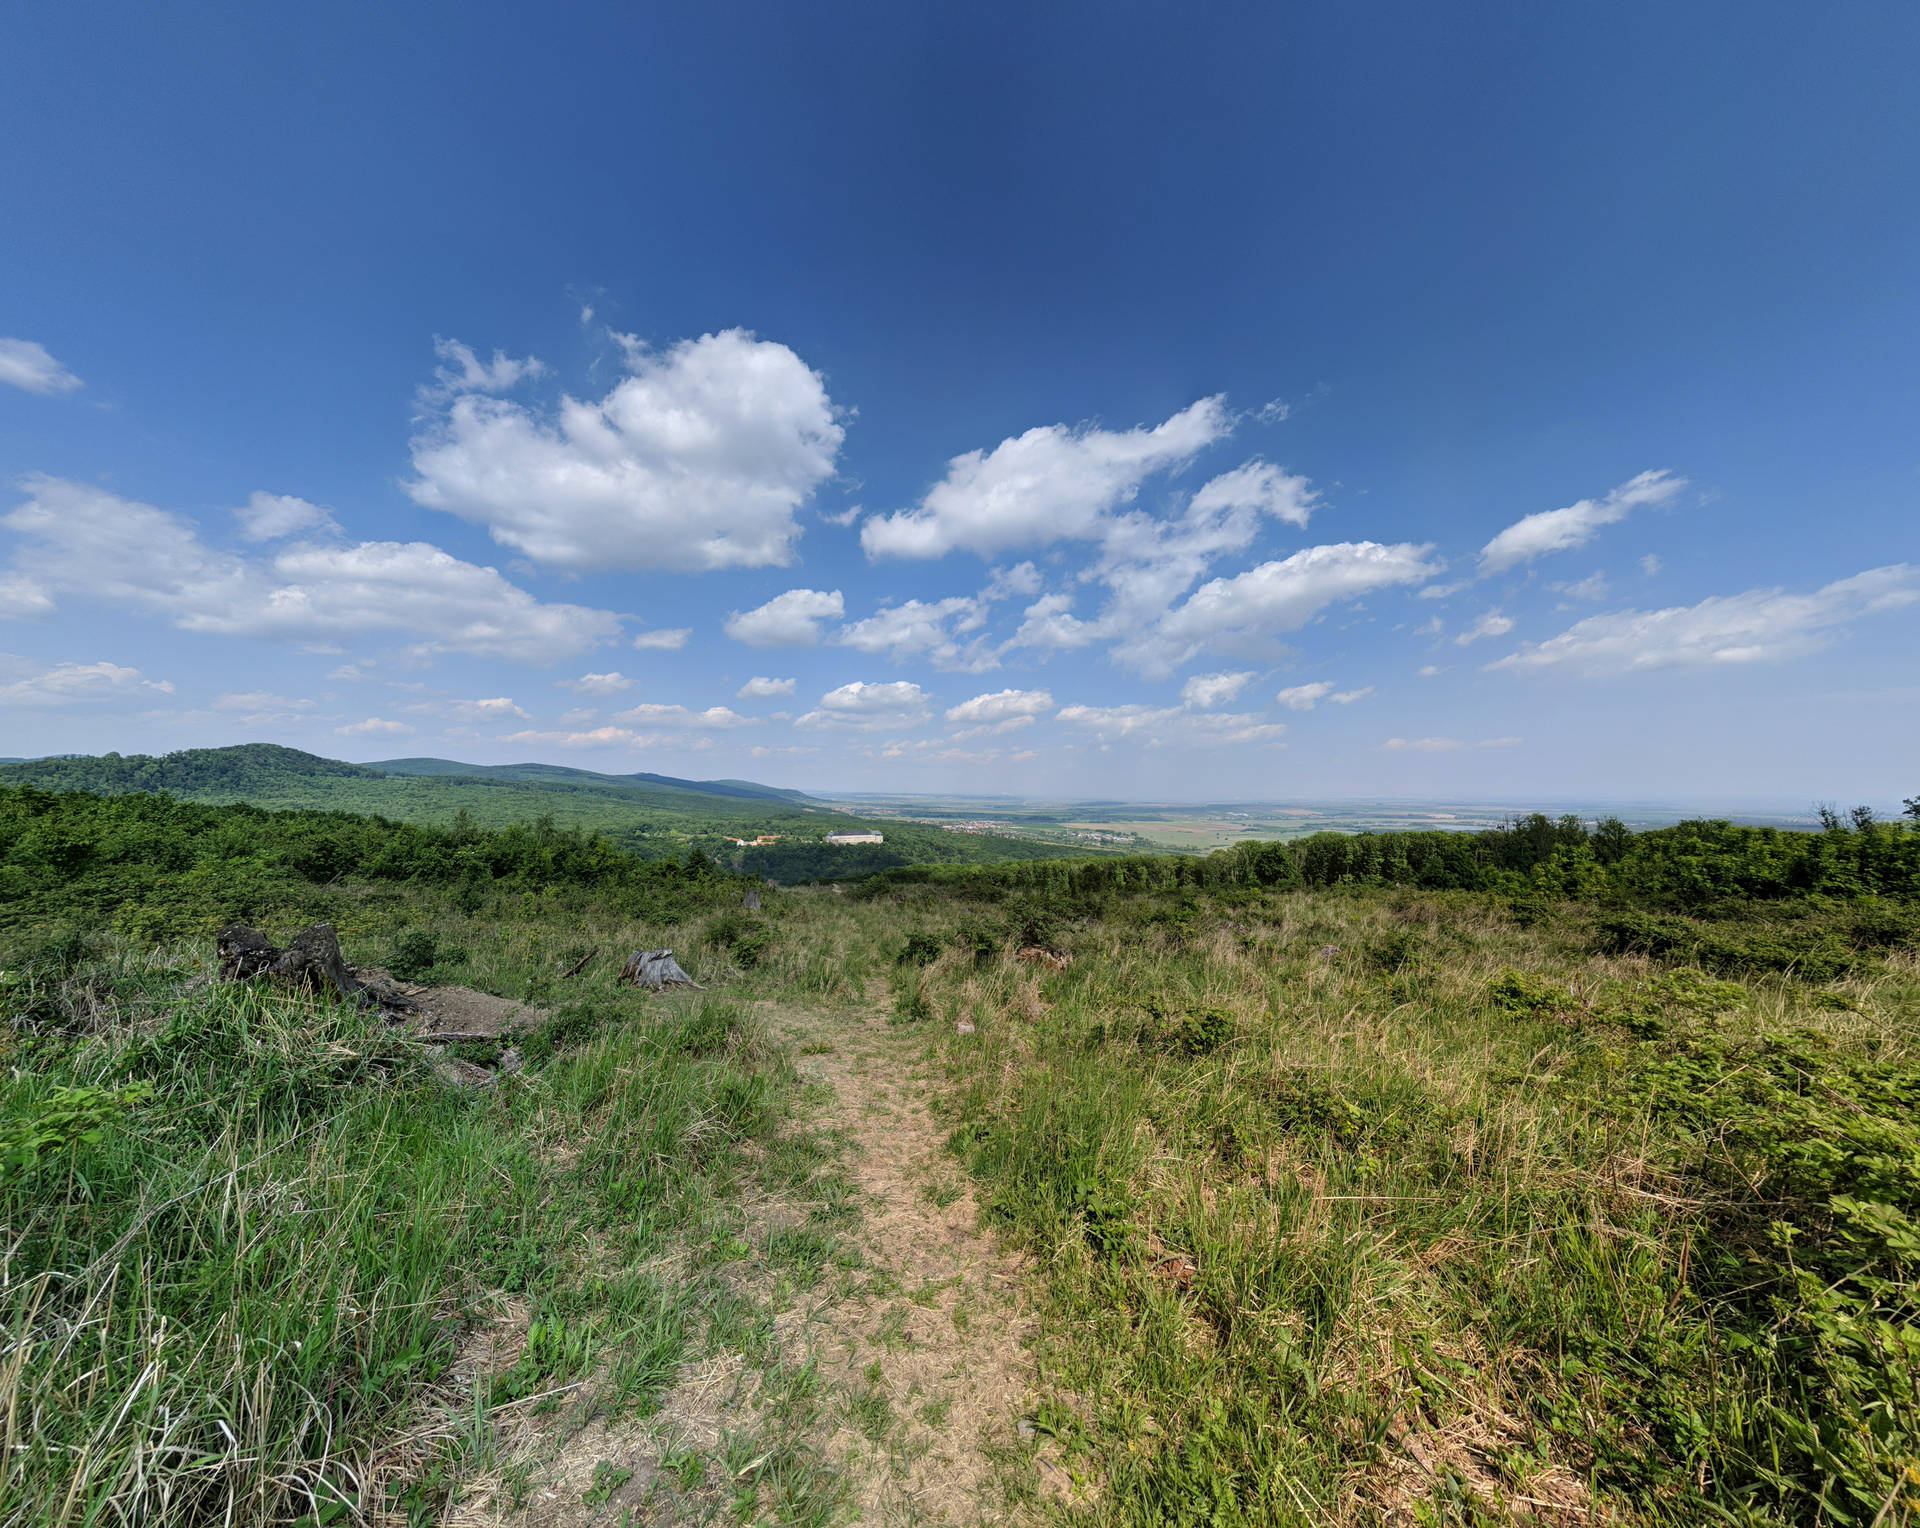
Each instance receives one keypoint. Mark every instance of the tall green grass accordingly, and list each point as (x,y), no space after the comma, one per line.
(235,1279)
(1368,1205)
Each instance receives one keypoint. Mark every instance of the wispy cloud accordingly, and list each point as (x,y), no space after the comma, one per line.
(1556,530)
(1760,626)
(26,365)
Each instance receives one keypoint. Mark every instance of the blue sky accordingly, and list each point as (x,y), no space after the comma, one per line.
(1500,401)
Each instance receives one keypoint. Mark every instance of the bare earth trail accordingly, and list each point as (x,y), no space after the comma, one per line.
(891,1372)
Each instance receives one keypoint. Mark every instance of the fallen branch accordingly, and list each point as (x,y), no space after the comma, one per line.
(579,965)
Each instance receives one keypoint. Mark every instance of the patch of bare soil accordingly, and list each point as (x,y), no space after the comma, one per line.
(459,1010)
(892,1381)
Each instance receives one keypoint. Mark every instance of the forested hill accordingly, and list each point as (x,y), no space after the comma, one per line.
(230,773)
(559,774)
(655,817)
(246,770)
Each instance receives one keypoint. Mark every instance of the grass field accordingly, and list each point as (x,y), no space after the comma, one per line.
(1389,1206)
(1328,1206)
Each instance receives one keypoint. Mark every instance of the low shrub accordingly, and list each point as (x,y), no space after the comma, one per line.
(1814,954)
(418,956)
(1528,997)
(921,949)
(746,939)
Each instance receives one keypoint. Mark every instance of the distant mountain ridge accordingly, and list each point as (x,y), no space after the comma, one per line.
(654,816)
(561,774)
(249,770)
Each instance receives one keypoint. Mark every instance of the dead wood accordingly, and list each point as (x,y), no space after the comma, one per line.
(579,965)
(311,962)
(654,970)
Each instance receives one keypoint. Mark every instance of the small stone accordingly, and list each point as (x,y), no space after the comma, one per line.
(1025,1428)
(964,1027)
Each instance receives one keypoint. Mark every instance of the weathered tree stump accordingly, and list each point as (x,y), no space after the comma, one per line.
(312,962)
(751,901)
(654,970)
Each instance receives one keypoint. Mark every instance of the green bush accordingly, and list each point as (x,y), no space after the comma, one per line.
(1200,1031)
(1528,997)
(747,939)
(1813,954)
(921,949)
(413,954)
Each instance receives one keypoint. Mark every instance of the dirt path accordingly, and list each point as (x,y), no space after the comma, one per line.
(881,1373)
(937,1329)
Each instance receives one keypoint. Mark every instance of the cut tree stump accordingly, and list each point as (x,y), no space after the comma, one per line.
(311,962)
(654,970)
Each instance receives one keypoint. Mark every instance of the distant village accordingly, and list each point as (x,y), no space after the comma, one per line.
(1007,830)
(861,837)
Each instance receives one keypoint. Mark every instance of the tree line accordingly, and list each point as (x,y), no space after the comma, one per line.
(1688,866)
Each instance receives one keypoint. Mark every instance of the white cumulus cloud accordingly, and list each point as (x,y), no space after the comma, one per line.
(1555,530)
(1760,626)
(1247,610)
(63,684)
(1053,483)
(1258,486)
(26,365)
(597,684)
(1304,697)
(649,714)
(665,641)
(758,688)
(792,619)
(84,541)
(374,726)
(1001,706)
(926,629)
(498,708)
(1205,692)
(696,460)
(864,707)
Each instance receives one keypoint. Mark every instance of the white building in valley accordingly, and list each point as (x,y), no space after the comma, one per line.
(855,838)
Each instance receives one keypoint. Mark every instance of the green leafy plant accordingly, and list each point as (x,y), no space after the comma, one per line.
(64,1117)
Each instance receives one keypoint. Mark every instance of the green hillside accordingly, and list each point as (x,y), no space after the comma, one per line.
(653,816)
(560,774)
